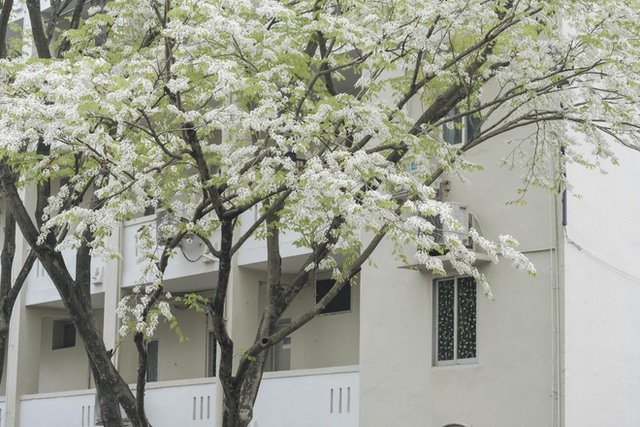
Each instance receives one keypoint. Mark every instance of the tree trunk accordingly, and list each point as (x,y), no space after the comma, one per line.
(4,341)
(107,377)
(239,403)
(238,408)
(81,314)
(143,360)
(108,401)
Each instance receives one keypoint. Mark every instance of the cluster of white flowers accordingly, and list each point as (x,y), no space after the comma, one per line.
(248,83)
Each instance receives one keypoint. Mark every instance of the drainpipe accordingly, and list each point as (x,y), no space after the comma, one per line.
(559,224)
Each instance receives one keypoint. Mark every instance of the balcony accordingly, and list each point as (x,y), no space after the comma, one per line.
(168,404)
(189,260)
(40,289)
(310,398)
(253,254)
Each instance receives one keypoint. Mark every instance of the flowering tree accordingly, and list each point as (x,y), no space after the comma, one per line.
(203,108)
(10,286)
(16,172)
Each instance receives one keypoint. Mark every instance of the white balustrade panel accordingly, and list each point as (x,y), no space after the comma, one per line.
(181,405)
(58,410)
(190,258)
(170,404)
(253,253)
(40,289)
(324,400)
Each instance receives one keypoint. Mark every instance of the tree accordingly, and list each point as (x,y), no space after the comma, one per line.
(15,172)
(328,82)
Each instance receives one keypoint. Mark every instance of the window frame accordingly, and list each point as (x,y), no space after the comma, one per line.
(63,334)
(467,125)
(455,361)
(333,307)
(212,354)
(153,361)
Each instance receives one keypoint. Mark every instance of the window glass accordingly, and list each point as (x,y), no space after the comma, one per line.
(446,295)
(211,354)
(455,321)
(152,361)
(64,334)
(452,131)
(466,318)
(341,302)
(460,130)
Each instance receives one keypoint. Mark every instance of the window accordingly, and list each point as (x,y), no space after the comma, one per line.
(279,354)
(455,321)
(341,302)
(64,334)
(211,354)
(152,361)
(460,130)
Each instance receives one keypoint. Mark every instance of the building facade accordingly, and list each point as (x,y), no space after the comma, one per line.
(401,345)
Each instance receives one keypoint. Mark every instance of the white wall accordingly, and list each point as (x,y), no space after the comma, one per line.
(511,385)
(514,381)
(58,410)
(326,341)
(64,368)
(602,294)
(242,307)
(176,360)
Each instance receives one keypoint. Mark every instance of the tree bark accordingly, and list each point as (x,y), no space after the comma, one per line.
(5,14)
(109,412)
(37,29)
(73,297)
(244,386)
(143,360)
(8,291)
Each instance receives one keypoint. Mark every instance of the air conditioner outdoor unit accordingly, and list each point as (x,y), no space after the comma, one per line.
(461,213)
(97,276)
(163,219)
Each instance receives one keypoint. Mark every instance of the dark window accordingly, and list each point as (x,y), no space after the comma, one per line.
(152,361)
(452,131)
(455,320)
(211,355)
(461,129)
(64,334)
(341,302)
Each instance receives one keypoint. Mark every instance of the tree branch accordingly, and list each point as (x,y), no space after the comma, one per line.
(5,14)
(37,28)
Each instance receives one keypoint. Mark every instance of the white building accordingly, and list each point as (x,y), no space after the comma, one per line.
(557,349)
(402,347)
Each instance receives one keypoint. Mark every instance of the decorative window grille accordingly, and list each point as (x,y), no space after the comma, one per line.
(455,320)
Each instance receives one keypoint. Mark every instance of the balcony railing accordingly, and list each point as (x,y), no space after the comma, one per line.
(40,289)
(58,409)
(253,253)
(183,264)
(168,404)
(309,398)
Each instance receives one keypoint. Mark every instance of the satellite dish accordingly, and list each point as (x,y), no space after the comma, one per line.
(194,249)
